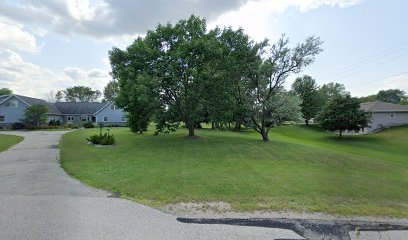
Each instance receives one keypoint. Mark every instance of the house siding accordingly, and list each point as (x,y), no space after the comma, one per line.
(12,115)
(384,119)
(114,116)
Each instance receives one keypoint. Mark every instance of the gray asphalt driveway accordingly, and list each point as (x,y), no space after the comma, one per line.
(38,200)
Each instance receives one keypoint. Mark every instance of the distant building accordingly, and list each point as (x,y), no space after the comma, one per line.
(385,114)
(12,110)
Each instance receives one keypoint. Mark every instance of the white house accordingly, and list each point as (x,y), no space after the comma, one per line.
(385,114)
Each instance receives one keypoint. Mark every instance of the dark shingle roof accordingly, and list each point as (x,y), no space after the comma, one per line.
(383,107)
(31,101)
(79,107)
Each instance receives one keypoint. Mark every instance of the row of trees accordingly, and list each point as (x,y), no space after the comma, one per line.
(397,96)
(184,73)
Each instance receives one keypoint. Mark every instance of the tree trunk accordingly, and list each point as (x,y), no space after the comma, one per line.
(212,125)
(340,135)
(265,134)
(237,126)
(307,121)
(191,130)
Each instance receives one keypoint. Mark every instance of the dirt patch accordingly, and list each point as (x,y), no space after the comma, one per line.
(221,210)
(192,208)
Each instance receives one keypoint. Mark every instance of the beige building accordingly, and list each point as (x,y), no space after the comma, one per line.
(385,114)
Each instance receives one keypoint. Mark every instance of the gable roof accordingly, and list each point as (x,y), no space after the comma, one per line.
(383,107)
(31,101)
(87,108)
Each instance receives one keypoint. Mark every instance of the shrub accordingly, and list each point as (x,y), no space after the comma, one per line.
(18,125)
(105,139)
(89,125)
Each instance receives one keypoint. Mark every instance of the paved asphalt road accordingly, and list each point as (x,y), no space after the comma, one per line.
(38,200)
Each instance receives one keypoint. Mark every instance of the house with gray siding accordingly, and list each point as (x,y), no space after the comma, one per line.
(77,113)
(385,114)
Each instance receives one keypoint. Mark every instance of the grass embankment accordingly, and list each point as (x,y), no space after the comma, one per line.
(6,141)
(301,169)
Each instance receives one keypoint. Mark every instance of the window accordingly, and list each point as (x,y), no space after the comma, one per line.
(84,119)
(392,114)
(12,103)
(113,107)
(70,118)
(124,118)
(105,119)
(2,118)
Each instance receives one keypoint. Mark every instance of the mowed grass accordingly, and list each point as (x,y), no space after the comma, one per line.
(302,169)
(6,141)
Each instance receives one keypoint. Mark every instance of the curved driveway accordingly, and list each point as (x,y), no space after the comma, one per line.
(38,200)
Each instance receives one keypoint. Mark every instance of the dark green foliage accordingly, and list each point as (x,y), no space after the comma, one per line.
(5,91)
(104,139)
(184,73)
(35,115)
(331,91)
(54,123)
(344,113)
(89,125)
(18,126)
(110,91)
(392,95)
(80,94)
(306,88)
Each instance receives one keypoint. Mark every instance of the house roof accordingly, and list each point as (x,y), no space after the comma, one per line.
(79,107)
(383,107)
(31,101)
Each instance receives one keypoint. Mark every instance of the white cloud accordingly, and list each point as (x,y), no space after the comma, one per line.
(32,80)
(258,17)
(12,36)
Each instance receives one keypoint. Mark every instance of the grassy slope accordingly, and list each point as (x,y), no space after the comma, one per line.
(7,141)
(301,169)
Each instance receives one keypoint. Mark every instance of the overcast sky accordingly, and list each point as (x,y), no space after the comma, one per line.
(50,45)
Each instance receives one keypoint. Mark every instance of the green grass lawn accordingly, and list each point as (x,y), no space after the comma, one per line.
(301,169)
(7,141)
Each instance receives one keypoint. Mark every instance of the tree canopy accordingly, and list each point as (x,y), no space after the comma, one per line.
(78,94)
(110,91)
(184,73)
(5,91)
(344,113)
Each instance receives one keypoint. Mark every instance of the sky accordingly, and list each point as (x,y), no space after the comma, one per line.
(50,45)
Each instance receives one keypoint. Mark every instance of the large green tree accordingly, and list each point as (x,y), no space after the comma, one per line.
(81,94)
(5,91)
(176,57)
(306,88)
(268,74)
(343,113)
(35,115)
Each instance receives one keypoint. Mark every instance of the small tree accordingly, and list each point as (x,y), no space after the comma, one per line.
(59,96)
(35,115)
(344,113)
